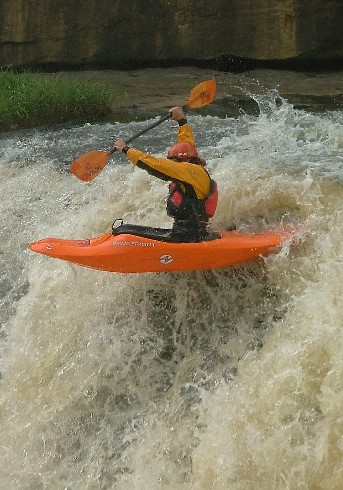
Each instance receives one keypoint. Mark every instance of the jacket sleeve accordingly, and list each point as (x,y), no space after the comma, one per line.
(185,134)
(165,169)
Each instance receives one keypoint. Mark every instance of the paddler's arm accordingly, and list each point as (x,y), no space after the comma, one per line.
(165,169)
(185,133)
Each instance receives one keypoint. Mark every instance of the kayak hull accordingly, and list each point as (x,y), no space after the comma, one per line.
(128,253)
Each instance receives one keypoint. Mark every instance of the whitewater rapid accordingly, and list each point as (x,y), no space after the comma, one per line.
(229,379)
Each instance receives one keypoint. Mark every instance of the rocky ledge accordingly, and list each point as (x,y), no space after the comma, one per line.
(157,89)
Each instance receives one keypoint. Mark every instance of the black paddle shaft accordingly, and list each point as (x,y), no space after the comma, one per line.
(151,126)
(146,129)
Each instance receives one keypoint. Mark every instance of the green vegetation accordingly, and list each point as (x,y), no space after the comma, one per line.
(30,99)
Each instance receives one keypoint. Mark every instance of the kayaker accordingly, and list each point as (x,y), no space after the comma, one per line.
(193,195)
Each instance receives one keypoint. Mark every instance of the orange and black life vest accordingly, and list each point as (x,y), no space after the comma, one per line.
(183,203)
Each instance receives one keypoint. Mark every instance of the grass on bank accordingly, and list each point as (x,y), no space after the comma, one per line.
(31,99)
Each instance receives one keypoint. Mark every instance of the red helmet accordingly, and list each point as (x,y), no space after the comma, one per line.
(183,151)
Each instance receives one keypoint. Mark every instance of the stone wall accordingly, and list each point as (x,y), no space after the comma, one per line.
(120,32)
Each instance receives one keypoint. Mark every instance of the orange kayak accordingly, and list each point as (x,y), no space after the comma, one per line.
(129,253)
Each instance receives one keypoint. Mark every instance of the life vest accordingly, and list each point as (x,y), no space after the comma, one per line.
(183,203)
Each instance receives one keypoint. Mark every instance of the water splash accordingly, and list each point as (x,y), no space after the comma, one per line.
(222,378)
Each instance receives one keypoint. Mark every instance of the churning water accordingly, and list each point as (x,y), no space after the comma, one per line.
(228,379)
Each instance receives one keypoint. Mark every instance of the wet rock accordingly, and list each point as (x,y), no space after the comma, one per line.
(141,32)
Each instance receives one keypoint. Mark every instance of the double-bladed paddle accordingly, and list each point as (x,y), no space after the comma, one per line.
(89,165)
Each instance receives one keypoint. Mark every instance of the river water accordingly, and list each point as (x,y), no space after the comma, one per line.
(229,379)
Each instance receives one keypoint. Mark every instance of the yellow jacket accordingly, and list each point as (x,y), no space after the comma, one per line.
(165,169)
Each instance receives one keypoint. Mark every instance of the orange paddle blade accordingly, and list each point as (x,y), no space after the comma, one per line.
(202,94)
(89,165)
